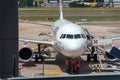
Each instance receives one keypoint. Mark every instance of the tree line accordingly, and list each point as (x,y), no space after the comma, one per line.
(30,3)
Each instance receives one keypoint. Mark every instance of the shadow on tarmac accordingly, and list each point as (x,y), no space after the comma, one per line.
(60,61)
(29,64)
(84,68)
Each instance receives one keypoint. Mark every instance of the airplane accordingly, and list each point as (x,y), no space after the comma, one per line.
(69,39)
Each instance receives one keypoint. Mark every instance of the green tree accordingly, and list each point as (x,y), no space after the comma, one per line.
(41,2)
(22,3)
(30,3)
(38,3)
(25,3)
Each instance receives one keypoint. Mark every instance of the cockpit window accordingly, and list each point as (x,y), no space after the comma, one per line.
(70,36)
(83,36)
(77,36)
(62,36)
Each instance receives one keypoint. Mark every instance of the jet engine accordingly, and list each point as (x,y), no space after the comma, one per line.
(25,53)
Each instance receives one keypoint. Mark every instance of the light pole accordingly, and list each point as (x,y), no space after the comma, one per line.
(43,57)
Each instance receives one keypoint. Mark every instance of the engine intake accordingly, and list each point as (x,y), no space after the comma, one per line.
(25,54)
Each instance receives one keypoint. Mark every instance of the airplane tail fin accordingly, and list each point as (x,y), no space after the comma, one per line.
(61,10)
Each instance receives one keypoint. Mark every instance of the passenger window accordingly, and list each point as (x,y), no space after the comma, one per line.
(77,36)
(69,36)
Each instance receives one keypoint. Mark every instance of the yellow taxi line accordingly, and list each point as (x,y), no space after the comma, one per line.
(52,72)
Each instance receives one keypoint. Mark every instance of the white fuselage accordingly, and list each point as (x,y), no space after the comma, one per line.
(70,39)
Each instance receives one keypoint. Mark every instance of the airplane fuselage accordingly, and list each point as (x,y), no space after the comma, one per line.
(70,38)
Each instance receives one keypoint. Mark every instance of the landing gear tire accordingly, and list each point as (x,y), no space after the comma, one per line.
(88,58)
(95,57)
(36,58)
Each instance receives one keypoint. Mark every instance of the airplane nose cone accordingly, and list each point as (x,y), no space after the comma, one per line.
(74,48)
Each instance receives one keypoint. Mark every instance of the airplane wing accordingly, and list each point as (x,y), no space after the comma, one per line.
(81,23)
(37,41)
(37,23)
(114,38)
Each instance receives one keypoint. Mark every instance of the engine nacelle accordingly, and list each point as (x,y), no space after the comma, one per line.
(25,53)
(110,57)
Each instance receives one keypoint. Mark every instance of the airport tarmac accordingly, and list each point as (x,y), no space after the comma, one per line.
(55,66)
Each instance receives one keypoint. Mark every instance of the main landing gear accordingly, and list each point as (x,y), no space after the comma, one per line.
(38,55)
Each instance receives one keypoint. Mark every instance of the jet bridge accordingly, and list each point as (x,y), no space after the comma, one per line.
(112,55)
(114,52)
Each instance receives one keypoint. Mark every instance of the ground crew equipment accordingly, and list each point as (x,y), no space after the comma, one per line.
(98,69)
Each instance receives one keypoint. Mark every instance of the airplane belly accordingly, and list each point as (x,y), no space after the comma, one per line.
(73,54)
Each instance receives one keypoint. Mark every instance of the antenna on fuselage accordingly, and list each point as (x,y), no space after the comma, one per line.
(61,10)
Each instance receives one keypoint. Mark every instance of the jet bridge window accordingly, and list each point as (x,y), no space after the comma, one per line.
(70,36)
(77,36)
